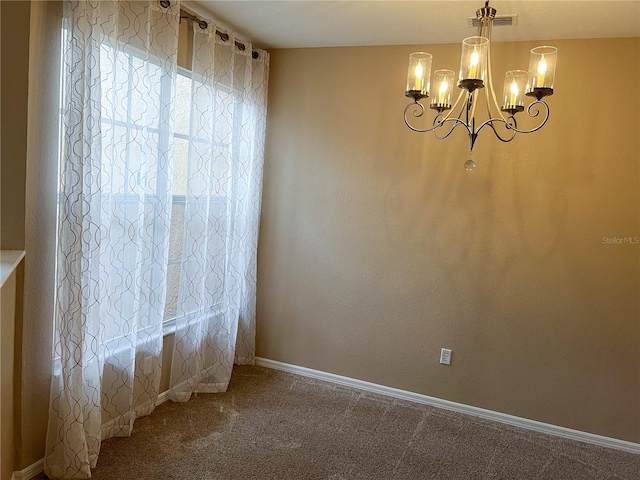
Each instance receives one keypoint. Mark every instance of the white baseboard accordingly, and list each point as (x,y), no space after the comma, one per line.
(29,472)
(163,397)
(454,406)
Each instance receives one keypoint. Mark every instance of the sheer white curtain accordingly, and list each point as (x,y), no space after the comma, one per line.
(118,81)
(223,166)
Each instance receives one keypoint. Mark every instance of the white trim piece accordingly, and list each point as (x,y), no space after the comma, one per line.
(166,395)
(29,472)
(163,397)
(9,260)
(454,406)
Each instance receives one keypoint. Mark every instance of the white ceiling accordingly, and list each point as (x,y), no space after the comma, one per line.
(313,23)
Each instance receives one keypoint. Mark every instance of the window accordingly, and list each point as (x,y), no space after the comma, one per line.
(133,98)
(213,146)
(130,119)
(133,181)
(179,178)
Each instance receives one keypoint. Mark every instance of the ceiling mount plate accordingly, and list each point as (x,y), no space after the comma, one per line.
(498,21)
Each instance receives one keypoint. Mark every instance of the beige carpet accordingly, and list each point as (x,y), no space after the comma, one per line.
(276,426)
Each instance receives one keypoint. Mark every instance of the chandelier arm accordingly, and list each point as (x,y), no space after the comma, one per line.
(417,114)
(455,105)
(437,124)
(495,103)
(509,124)
(455,122)
(453,108)
(533,112)
(484,30)
(491,89)
(473,101)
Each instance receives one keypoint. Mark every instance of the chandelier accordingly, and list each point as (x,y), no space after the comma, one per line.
(474,76)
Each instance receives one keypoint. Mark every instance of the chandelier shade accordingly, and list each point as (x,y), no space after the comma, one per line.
(515,84)
(542,70)
(443,83)
(473,63)
(419,75)
(474,78)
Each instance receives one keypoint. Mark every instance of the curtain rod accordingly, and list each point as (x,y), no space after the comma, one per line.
(203,24)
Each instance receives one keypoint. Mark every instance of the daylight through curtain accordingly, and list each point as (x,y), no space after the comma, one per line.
(114,201)
(222,161)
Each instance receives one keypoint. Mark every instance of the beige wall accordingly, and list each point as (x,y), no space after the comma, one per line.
(36,328)
(15,71)
(15,32)
(377,248)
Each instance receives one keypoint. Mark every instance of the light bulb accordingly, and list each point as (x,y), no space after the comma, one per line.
(514,92)
(542,69)
(542,66)
(418,71)
(475,59)
(442,93)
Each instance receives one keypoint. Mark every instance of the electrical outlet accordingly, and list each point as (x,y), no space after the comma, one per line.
(445,356)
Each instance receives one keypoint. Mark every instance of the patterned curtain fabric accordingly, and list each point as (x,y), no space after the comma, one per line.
(118,88)
(223,125)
